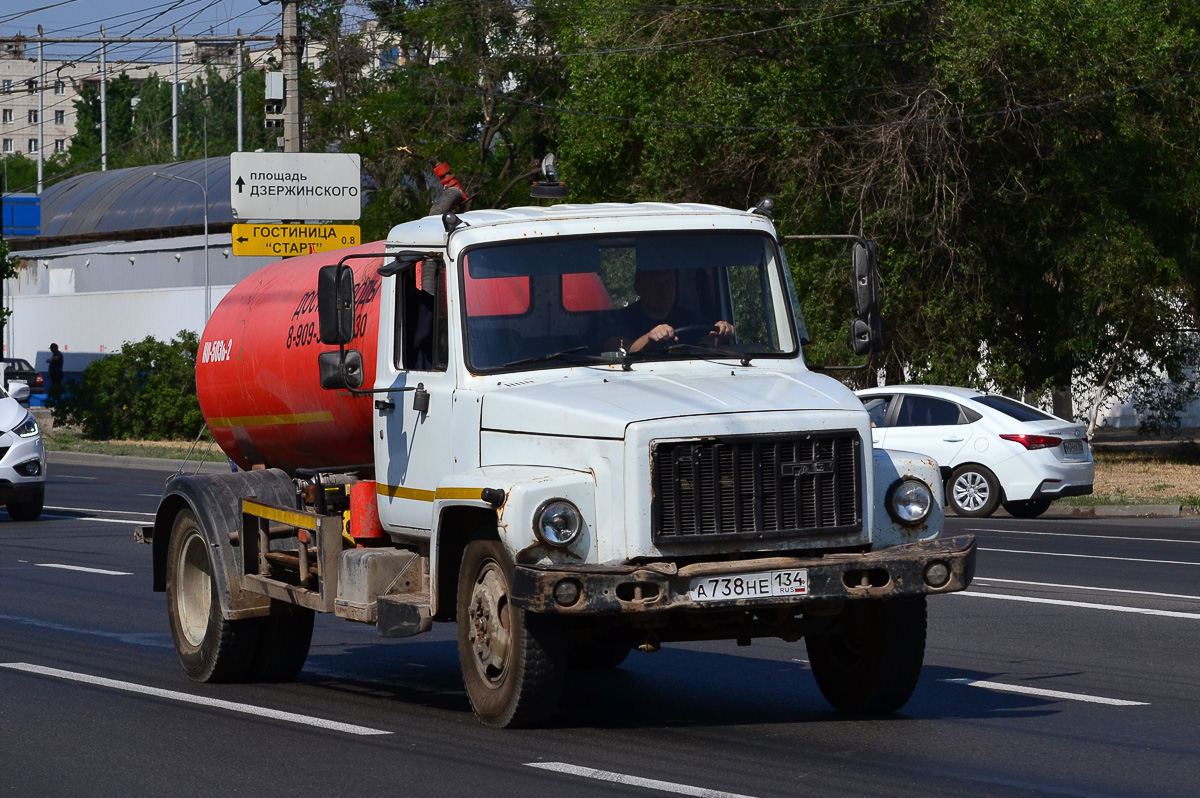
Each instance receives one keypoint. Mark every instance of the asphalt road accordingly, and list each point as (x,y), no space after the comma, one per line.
(1070,668)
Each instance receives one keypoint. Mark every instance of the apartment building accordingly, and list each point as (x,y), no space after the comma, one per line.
(37,100)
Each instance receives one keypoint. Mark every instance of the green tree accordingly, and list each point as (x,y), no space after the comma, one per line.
(1029,167)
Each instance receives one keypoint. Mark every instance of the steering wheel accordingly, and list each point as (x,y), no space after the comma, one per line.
(690,328)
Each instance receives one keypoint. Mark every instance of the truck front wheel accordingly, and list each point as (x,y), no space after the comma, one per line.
(870,658)
(210,648)
(512,663)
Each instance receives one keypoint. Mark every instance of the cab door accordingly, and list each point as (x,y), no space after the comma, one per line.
(413,432)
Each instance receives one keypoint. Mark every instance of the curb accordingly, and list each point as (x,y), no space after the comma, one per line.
(166,465)
(1118,511)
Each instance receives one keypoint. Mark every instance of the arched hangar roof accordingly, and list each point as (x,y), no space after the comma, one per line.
(134,203)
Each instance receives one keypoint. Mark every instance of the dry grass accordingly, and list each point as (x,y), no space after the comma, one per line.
(1146,472)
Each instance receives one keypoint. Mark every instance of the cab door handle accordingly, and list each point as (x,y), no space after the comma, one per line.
(953,440)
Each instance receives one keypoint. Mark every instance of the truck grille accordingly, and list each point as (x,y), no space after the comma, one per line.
(756,487)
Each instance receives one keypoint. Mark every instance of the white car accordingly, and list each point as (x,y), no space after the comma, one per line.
(992,450)
(22,457)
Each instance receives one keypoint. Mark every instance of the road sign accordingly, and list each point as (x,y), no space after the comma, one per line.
(286,240)
(295,185)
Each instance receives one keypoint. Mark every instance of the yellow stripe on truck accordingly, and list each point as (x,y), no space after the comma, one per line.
(418,495)
(280,420)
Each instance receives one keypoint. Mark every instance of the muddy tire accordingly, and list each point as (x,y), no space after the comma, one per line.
(870,659)
(512,663)
(1027,509)
(29,510)
(973,491)
(210,648)
(284,638)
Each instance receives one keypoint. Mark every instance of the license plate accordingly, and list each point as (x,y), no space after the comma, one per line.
(1073,447)
(762,584)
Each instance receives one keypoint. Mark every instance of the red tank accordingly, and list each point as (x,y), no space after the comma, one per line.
(256,370)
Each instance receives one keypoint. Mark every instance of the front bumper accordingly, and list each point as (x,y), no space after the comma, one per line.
(662,587)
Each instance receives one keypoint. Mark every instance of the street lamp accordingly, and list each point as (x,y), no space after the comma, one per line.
(207,290)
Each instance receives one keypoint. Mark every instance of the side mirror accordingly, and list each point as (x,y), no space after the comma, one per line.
(19,391)
(335,304)
(343,369)
(866,278)
(866,335)
(866,331)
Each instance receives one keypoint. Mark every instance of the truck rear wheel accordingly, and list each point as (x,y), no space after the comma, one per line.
(210,648)
(512,663)
(870,659)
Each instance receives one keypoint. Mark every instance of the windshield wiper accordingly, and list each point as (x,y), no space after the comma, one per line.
(713,351)
(566,354)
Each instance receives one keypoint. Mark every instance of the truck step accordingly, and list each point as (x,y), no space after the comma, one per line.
(403,616)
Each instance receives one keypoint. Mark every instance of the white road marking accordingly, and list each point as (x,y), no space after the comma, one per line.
(126,521)
(187,698)
(91,510)
(1091,556)
(1012,688)
(1093,537)
(1082,604)
(1085,587)
(632,781)
(69,476)
(81,568)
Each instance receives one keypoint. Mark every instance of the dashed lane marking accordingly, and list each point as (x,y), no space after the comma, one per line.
(1125,538)
(187,698)
(632,781)
(1086,587)
(104,571)
(1091,556)
(1082,604)
(1042,693)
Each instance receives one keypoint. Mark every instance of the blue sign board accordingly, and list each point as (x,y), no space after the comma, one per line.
(22,214)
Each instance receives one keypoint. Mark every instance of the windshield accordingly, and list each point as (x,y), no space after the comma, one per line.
(606,299)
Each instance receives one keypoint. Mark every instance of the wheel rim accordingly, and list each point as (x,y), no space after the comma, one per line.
(971,491)
(194,598)
(490,624)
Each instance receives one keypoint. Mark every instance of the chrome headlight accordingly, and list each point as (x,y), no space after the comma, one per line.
(909,501)
(28,426)
(557,522)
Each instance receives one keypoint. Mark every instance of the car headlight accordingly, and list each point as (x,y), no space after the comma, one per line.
(557,522)
(28,427)
(909,501)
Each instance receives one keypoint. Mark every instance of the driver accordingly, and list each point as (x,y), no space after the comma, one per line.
(654,319)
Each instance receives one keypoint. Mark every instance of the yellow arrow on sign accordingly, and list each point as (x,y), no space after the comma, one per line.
(288,240)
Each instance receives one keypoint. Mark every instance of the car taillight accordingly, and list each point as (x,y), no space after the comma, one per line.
(1034,441)
(38,380)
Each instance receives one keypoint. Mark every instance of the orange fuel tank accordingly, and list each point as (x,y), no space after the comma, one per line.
(256,370)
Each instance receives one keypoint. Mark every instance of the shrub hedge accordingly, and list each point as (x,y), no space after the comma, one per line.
(147,391)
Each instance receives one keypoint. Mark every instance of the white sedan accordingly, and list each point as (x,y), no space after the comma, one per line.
(992,449)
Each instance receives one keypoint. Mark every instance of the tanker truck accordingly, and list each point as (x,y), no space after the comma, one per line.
(573,431)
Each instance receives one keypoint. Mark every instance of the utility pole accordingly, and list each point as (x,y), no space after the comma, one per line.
(241,66)
(175,96)
(292,49)
(103,102)
(41,111)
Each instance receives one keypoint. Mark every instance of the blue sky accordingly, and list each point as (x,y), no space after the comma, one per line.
(69,18)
